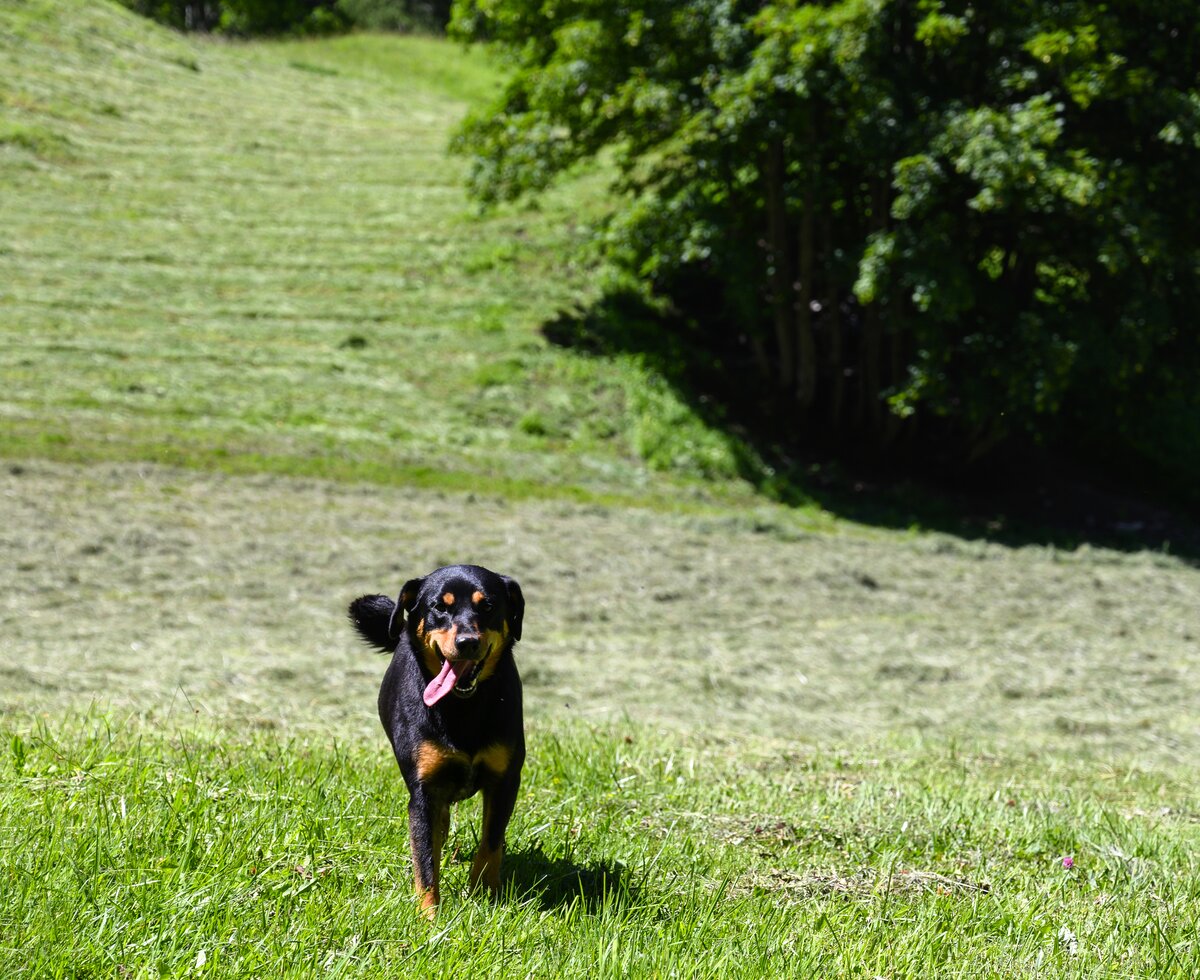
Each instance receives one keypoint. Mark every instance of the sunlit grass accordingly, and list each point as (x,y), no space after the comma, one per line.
(763,742)
(142,851)
(266,248)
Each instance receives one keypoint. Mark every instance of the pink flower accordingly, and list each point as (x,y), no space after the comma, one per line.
(1068,862)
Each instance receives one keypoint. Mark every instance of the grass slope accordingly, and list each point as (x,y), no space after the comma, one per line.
(789,754)
(260,257)
(762,742)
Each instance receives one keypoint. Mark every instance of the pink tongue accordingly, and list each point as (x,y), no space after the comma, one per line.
(440,686)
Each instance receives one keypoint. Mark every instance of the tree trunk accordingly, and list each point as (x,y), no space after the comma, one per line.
(872,348)
(806,346)
(833,317)
(777,256)
(893,423)
(871,352)
(759,350)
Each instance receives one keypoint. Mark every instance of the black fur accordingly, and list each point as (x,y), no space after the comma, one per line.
(372,617)
(450,750)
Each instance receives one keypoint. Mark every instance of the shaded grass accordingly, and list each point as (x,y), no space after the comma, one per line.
(142,851)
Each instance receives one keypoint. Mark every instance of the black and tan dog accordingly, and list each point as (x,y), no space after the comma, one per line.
(451,705)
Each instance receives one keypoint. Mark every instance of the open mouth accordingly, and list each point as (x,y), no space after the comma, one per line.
(458,676)
(468,679)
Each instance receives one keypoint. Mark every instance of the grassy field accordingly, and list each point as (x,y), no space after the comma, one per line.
(261,258)
(243,854)
(259,356)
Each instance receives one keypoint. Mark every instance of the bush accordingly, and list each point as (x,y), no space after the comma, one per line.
(397,15)
(977,214)
(250,17)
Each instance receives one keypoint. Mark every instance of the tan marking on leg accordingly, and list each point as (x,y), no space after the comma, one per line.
(430,757)
(428,892)
(485,867)
(494,757)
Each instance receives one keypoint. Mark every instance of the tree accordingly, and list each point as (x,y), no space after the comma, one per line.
(244,17)
(980,213)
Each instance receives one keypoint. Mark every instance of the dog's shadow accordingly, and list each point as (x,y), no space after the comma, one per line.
(556,882)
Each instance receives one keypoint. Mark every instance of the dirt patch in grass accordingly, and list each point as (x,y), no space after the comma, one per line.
(859,883)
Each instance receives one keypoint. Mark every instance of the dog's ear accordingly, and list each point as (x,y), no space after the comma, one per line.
(516,606)
(372,617)
(404,603)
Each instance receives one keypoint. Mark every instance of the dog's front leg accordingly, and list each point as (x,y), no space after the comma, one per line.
(428,827)
(498,802)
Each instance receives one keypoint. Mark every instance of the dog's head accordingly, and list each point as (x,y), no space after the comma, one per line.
(461,618)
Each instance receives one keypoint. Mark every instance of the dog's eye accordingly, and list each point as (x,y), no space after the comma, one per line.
(483,605)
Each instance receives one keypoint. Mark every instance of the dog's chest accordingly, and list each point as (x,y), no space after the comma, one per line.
(460,774)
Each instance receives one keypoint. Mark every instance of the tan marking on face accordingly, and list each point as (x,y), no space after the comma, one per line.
(477,597)
(441,642)
(430,757)
(431,647)
(494,757)
(491,642)
(448,598)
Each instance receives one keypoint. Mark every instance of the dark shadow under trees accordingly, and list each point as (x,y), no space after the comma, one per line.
(1018,493)
(928,266)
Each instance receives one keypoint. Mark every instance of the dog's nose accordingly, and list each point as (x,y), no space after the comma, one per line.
(466,647)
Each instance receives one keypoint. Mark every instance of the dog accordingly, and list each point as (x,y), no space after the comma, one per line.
(451,705)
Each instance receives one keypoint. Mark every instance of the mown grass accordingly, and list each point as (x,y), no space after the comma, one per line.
(754,747)
(135,585)
(763,742)
(214,251)
(140,852)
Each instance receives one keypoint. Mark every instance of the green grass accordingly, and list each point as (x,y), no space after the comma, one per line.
(259,355)
(140,853)
(800,752)
(213,250)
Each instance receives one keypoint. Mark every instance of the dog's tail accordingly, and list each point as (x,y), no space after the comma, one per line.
(372,617)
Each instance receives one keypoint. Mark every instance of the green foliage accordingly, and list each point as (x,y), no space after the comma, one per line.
(981,212)
(396,15)
(250,17)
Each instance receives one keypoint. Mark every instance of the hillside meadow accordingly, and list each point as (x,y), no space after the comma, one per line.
(259,356)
